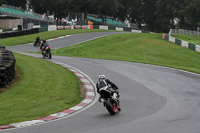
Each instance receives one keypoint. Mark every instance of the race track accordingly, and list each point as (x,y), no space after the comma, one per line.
(154,99)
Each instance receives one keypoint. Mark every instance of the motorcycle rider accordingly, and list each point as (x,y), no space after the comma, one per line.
(37,40)
(44,45)
(111,86)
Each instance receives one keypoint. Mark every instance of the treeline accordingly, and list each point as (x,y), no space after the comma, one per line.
(18,3)
(154,15)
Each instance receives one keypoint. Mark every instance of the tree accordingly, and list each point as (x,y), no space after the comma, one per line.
(192,12)
(83,6)
(108,7)
(123,13)
(58,8)
(17,3)
(157,15)
(165,15)
(2,2)
(40,6)
(149,16)
(135,10)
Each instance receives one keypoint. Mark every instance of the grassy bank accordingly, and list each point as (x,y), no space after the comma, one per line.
(189,38)
(44,35)
(144,48)
(45,88)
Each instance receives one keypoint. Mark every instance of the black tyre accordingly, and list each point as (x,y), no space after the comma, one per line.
(50,55)
(109,107)
(43,55)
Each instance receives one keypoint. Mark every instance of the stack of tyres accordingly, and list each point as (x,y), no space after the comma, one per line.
(7,66)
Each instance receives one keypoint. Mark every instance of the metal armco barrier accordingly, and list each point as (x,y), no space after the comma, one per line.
(7,66)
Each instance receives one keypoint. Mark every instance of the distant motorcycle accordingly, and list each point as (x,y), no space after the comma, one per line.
(37,44)
(46,52)
(111,103)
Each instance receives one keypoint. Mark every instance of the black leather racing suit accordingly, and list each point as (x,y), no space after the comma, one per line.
(112,87)
(37,40)
(104,83)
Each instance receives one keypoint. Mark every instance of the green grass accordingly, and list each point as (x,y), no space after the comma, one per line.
(189,38)
(45,88)
(144,48)
(44,35)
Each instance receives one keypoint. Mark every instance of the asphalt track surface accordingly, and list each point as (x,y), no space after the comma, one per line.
(154,99)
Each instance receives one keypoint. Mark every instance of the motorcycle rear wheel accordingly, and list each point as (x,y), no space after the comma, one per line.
(50,55)
(43,54)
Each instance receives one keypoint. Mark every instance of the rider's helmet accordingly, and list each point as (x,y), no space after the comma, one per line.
(102,77)
(44,41)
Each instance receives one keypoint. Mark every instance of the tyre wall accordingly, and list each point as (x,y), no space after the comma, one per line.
(7,66)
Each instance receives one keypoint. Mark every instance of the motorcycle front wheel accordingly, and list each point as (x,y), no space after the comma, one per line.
(109,106)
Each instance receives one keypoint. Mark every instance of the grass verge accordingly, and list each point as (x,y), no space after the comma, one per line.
(143,48)
(189,38)
(44,88)
(44,35)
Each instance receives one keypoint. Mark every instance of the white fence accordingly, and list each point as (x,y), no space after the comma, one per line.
(181,31)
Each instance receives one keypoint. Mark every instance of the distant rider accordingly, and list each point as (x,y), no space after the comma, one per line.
(37,40)
(103,82)
(44,45)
